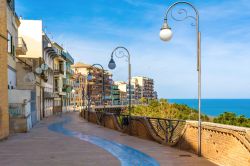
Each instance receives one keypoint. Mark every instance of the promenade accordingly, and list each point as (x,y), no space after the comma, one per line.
(69,140)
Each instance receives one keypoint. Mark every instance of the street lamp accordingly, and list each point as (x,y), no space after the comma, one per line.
(166,35)
(119,53)
(90,77)
(74,91)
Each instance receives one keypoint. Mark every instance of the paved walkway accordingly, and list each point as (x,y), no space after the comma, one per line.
(74,142)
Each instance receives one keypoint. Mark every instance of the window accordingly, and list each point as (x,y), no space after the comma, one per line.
(10,47)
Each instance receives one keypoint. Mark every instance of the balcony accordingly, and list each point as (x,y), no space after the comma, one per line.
(59,91)
(48,95)
(68,83)
(21,47)
(57,72)
(69,70)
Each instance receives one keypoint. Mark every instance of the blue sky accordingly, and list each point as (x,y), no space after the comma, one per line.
(90,30)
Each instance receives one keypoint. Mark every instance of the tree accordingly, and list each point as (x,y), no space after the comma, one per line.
(143,100)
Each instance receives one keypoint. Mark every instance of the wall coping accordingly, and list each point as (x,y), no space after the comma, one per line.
(224,126)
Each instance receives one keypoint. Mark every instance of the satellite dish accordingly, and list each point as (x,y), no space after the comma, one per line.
(39,70)
(44,67)
(30,77)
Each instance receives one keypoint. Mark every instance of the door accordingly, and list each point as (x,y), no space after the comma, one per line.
(33,108)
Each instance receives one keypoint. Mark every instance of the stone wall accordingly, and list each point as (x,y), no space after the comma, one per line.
(4,115)
(221,144)
(18,125)
(140,129)
(110,122)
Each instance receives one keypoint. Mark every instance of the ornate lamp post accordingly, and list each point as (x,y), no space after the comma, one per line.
(119,53)
(166,35)
(90,77)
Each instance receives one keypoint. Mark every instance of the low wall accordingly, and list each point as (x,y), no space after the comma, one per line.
(18,125)
(221,144)
(140,129)
(20,111)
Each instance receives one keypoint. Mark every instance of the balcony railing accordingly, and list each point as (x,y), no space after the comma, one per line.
(17,110)
(21,47)
(49,94)
(58,71)
(69,70)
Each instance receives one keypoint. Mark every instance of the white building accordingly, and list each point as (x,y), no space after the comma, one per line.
(122,86)
(41,54)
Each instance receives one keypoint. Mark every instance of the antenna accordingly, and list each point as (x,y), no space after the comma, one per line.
(45,29)
(51,36)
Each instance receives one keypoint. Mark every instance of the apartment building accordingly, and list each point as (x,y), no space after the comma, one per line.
(4,115)
(13,23)
(123,88)
(49,56)
(35,68)
(94,86)
(59,79)
(115,95)
(68,81)
(145,85)
(136,91)
(78,98)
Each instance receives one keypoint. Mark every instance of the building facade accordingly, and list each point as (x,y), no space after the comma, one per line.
(13,23)
(59,80)
(123,90)
(49,55)
(78,98)
(31,32)
(68,81)
(93,87)
(115,95)
(4,115)
(145,87)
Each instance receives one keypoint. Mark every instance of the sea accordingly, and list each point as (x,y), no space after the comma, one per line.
(215,107)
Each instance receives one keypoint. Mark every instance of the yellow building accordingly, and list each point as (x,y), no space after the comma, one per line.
(4,116)
(78,98)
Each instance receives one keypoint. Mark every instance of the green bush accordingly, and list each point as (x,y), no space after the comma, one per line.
(230,118)
(162,109)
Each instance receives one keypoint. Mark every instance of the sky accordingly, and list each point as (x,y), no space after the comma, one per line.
(90,30)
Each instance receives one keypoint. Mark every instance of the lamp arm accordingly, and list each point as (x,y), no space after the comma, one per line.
(186,16)
(120,54)
(184,13)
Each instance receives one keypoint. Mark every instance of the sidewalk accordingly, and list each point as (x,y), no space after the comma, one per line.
(44,147)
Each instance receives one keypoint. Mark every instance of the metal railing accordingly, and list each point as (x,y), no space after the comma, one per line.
(21,43)
(21,47)
(17,110)
(169,130)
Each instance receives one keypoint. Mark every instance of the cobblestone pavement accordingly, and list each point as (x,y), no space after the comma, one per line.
(42,147)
